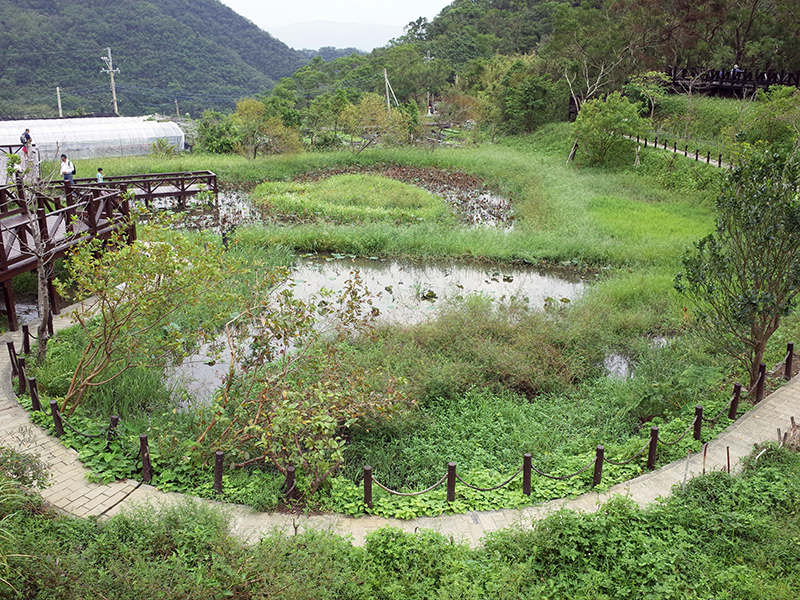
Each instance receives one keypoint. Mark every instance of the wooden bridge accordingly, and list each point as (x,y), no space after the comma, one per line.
(150,186)
(729,82)
(67,215)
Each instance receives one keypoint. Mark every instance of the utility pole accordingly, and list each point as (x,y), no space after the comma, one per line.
(58,95)
(111,70)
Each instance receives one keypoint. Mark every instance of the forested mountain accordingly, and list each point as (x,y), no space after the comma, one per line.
(198,52)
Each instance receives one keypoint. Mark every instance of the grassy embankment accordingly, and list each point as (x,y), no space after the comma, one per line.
(496,381)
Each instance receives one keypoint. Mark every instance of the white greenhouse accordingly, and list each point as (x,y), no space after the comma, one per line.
(92,137)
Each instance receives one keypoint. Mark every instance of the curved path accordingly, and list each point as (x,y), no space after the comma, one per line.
(71,493)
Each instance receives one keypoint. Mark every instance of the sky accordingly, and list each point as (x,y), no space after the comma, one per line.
(276,17)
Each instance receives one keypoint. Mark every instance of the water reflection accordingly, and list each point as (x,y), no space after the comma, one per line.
(404,292)
(408,292)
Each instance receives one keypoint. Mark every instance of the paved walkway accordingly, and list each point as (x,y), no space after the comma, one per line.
(71,493)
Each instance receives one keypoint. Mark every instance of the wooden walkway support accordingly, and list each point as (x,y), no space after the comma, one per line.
(150,186)
(64,220)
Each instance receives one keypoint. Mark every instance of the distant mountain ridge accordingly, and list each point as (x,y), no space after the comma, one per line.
(189,53)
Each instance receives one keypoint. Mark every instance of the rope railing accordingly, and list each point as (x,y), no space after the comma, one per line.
(396,493)
(493,488)
(683,435)
(562,477)
(631,459)
(451,477)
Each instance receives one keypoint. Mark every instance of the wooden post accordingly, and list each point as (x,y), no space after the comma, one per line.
(144,452)
(56,418)
(787,368)
(21,367)
(762,376)
(451,482)
(26,340)
(368,485)
(35,403)
(737,393)
(12,355)
(653,450)
(526,474)
(598,465)
(112,427)
(219,456)
(698,422)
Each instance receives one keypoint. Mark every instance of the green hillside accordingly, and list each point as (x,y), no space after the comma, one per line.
(200,53)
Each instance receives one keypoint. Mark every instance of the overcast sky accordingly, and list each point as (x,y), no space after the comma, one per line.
(274,15)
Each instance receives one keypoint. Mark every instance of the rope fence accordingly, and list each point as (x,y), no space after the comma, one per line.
(28,385)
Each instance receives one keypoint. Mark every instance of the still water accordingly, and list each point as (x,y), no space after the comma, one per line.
(403,292)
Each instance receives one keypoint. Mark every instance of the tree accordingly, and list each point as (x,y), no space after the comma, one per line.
(602,123)
(140,295)
(746,276)
(370,120)
(651,87)
(289,395)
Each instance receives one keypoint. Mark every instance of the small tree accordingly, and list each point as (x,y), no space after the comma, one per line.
(140,296)
(289,394)
(746,276)
(602,124)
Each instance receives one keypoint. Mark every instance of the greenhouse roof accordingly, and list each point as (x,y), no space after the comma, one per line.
(92,137)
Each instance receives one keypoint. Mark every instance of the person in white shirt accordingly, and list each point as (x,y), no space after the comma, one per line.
(67,169)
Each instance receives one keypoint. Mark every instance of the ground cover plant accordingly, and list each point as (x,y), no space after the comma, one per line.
(490,381)
(722,536)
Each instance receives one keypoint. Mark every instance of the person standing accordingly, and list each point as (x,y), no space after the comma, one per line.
(100,175)
(26,140)
(67,169)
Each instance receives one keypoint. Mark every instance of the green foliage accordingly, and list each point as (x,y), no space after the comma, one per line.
(23,469)
(601,125)
(350,199)
(744,278)
(139,290)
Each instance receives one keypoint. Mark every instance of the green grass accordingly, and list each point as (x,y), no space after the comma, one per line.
(350,199)
(723,536)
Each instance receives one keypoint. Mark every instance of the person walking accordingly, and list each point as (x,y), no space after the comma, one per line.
(67,169)
(99,174)
(26,140)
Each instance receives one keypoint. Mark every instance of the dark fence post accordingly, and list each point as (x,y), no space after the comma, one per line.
(698,422)
(219,456)
(35,404)
(708,158)
(21,367)
(368,485)
(56,418)
(787,368)
(696,154)
(289,485)
(112,427)
(686,150)
(653,450)
(675,146)
(737,393)
(526,474)
(598,465)
(719,160)
(655,143)
(451,481)
(645,142)
(12,354)
(762,376)
(50,324)
(144,452)
(26,340)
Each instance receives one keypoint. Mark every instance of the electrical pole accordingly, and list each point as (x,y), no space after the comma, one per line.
(58,95)
(111,70)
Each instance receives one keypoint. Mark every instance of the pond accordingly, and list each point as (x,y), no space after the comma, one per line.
(404,292)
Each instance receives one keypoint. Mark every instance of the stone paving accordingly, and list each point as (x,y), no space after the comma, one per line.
(72,494)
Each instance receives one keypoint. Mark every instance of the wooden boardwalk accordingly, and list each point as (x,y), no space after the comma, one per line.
(69,214)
